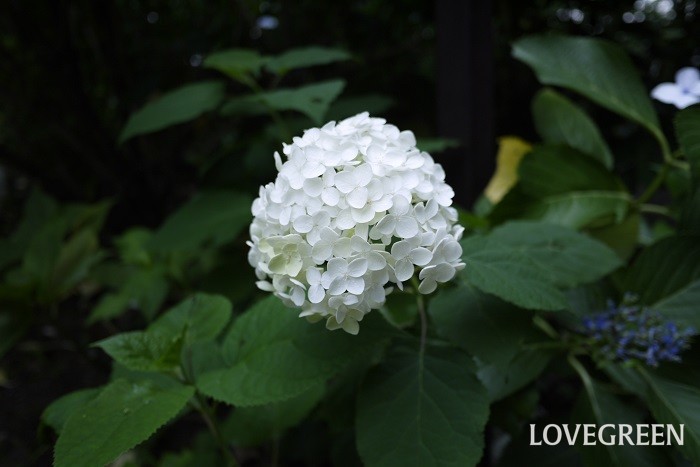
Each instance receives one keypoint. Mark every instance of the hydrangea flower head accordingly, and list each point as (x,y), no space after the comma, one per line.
(632,332)
(356,210)
(683,93)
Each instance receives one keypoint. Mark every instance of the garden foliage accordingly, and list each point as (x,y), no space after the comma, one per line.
(424,381)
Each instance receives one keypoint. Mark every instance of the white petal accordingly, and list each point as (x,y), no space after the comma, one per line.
(351,326)
(345,181)
(355,285)
(298,296)
(345,220)
(337,267)
(385,226)
(420,256)
(303,224)
(337,286)
(313,186)
(427,286)
(364,215)
(687,77)
(265,285)
(375,261)
(316,294)
(332,324)
(321,252)
(444,272)
(359,244)
(667,93)
(313,277)
(313,169)
(363,174)
(401,249)
(357,267)
(406,227)
(452,251)
(330,196)
(403,270)
(357,198)
(342,247)
(401,205)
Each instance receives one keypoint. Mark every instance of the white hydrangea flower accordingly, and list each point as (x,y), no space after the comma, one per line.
(355,210)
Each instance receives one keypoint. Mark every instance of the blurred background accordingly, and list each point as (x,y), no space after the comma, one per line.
(73,71)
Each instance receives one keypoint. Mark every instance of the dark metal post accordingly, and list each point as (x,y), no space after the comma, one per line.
(465,94)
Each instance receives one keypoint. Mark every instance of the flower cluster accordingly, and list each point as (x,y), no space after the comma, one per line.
(355,210)
(684,92)
(633,332)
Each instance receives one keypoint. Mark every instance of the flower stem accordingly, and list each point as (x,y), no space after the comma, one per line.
(420,303)
(654,185)
(211,422)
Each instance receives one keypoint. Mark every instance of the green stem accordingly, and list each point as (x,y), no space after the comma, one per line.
(420,303)
(654,185)
(655,209)
(284,130)
(211,422)
(547,328)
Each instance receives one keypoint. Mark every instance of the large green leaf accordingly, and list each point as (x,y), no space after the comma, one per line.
(664,268)
(524,263)
(682,305)
(599,406)
(422,410)
(556,170)
(344,107)
(677,404)
(688,133)
(214,216)
(558,120)
(144,351)
(598,69)
(580,209)
(56,414)
(122,416)
(312,100)
(501,380)
(272,355)
(178,106)
(201,317)
(239,64)
(252,426)
(305,57)
(483,325)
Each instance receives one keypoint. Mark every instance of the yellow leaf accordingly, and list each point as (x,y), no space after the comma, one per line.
(511,150)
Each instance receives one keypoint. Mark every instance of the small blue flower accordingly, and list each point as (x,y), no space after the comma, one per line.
(629,331)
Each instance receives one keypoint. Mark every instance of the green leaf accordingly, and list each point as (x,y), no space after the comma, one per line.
(502,380)
(597,69)
(13,325)
(312,100)
(272,355)
(560,121)
(664,268)
(75,258)
(556,170)
(493,269)
(481,324)
(252,426)
(239,64)
(435,145)
(215,217)
(598,405)
(688,134)
(144,289)
(122,416)
(181,105)
(305,57)
(144,351)
(56,414)
(682,305)
(201,317)
(422,409)
(578,210)
(677,404)
(524,263)
(566,257)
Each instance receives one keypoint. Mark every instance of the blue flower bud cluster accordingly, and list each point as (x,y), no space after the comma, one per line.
(632,332)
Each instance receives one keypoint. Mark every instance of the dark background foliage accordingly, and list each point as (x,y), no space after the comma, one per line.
(73,71)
